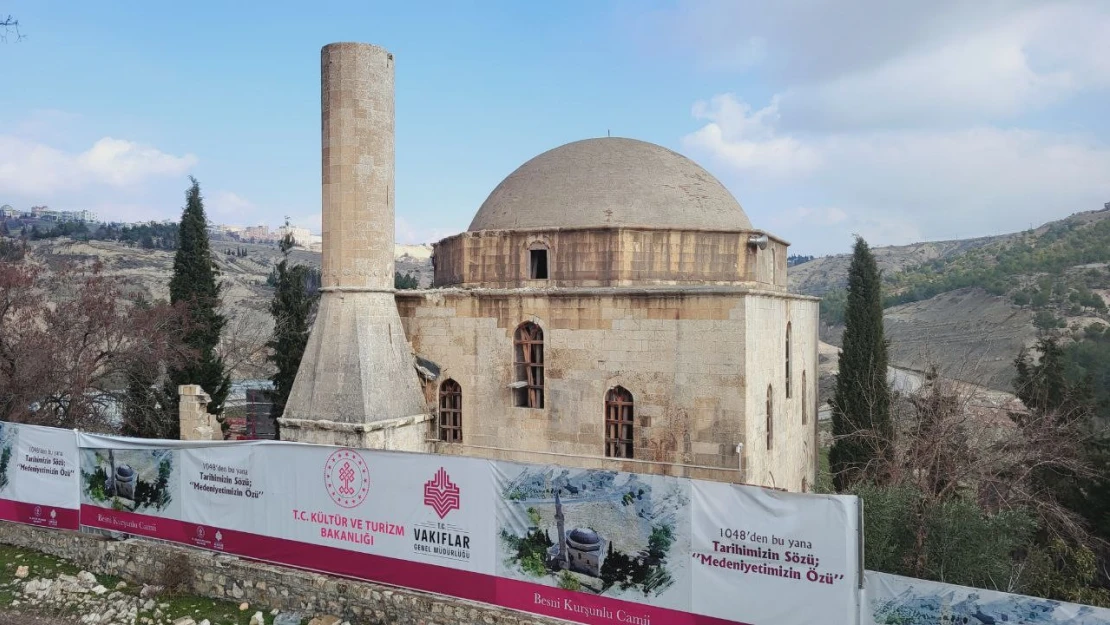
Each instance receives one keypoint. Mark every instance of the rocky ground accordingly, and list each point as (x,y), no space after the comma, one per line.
(36,589)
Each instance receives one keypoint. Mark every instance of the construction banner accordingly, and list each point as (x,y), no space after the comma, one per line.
(590,546)
(38,476)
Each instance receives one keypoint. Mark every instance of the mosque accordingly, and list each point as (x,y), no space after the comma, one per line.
(610,306)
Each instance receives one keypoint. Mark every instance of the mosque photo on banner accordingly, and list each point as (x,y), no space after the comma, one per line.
(133,480)
(621,535)
(7,445)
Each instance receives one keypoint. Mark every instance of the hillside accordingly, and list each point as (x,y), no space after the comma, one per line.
(970,306)
(246,295)
(826,273)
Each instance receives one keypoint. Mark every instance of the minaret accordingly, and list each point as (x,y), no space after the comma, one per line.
(562,557)
(357,368)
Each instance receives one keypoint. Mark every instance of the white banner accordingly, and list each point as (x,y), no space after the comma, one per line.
(766,556)
(38,475)
(591,546)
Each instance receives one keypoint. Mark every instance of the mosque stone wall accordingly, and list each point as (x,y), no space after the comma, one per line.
(689,358)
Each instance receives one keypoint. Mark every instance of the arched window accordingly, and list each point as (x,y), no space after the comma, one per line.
(805,484)
(528,361)
(619,415)
(450,411)
(788,384)
(805,403)
(770,418)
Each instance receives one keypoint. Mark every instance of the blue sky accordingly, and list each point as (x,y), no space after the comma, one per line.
(897,121)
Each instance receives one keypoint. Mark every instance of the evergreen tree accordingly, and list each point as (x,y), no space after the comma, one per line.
(194,286)
(291,309)
(861,406)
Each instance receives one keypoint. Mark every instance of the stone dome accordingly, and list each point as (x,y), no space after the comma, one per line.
(605,182)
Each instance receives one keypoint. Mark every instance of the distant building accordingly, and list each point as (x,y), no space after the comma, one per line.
(44,213)
(258,233)
(7,212)
(301,236)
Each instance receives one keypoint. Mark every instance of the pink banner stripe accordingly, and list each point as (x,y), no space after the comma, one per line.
(39,515)
(517,595)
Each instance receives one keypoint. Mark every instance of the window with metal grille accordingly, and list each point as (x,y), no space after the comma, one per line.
(528,352)
(619,416)
(770,418)
(450,411)
(788,384)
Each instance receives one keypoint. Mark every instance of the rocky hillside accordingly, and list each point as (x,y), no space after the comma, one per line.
(244,270)
(826,273)
(970,306)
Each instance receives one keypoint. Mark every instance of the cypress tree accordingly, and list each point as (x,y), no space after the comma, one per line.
(194,285)
(291,309)
(861,405)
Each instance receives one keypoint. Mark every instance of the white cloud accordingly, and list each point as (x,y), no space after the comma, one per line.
(898,121)
(747,140)
(903,185)
(886,64)
(227,207)
(1025,61)
(124,163)
(31,168)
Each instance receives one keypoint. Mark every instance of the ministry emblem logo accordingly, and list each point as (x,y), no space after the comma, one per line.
(441,494)
(347,478)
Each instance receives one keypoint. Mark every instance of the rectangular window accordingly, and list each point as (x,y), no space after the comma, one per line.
(529,363)
(537,268)
(450,412)
(619,415)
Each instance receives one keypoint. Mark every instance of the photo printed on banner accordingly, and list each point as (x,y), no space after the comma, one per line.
(604,533)
(141,481)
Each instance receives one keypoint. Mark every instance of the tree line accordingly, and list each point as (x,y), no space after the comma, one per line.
(153,235)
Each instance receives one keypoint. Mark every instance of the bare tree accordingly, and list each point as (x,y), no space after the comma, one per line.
(955,446)
(68,340)
(9,26)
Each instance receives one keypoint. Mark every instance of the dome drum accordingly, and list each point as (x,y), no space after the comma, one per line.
(608,257)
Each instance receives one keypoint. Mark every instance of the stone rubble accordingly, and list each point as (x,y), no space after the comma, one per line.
(83,594)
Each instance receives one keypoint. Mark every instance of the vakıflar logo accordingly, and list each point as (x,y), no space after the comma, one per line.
(347,478)
(441,494)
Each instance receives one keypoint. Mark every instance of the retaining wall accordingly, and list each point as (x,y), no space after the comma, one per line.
(230,578)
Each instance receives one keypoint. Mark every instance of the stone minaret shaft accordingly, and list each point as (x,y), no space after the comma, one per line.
(357,367)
